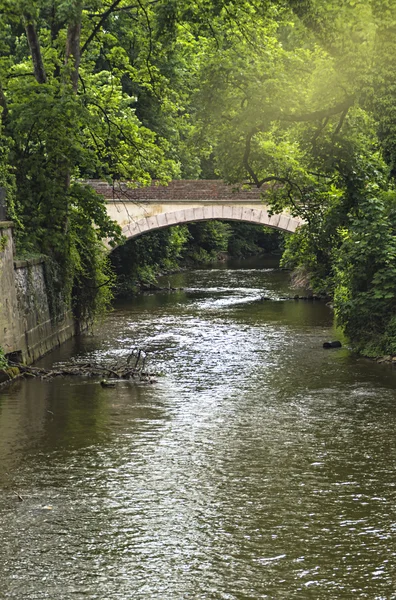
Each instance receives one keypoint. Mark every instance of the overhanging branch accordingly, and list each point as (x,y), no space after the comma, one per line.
(318,115)
(99,24)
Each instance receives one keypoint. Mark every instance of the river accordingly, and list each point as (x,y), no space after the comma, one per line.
(258,465)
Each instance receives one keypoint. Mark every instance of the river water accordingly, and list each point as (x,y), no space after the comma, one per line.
(257,466)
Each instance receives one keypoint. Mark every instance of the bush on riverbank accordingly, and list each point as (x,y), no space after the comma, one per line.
(140,261)
(354,264)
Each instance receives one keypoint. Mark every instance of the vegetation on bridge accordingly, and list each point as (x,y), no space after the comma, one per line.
(297,94)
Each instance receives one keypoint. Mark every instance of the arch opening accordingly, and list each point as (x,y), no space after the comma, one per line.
(254,216)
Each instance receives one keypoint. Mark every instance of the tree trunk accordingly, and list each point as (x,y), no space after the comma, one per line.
(73,50)
(35,50)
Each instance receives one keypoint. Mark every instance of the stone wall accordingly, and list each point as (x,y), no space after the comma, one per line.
(9,316)
(26,327)
(40,333)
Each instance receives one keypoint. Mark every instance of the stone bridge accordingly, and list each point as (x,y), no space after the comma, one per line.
(142,209)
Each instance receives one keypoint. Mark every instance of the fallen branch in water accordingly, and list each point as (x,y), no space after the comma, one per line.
(122,370)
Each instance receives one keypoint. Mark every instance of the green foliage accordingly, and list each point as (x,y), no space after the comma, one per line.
(93,278)
(250,240)
(68,118)
(207,240)
(140,261)
(365,296)
(300,101)
(7,178)
(3,242)
(3,360)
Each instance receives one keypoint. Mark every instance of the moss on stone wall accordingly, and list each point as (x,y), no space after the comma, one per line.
(9,374)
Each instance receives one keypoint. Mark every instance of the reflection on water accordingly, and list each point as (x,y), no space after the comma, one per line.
(258,466)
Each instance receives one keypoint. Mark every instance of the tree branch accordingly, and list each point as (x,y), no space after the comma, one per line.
(150,49)
(99,24)
(324,113)
(319,130)
(246,155)
(340,122)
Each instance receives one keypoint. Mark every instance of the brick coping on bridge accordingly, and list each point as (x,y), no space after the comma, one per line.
(202,190)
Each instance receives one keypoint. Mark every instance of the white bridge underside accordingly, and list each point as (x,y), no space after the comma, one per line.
(136,218)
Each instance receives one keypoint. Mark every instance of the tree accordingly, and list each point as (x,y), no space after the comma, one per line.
(66,117)
(299,101)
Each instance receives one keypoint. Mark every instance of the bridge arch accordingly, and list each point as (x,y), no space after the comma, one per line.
(258,216)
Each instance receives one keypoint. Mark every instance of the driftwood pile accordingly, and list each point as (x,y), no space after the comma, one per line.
(130,368)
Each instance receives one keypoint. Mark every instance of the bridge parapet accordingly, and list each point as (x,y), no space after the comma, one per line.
(203,190)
